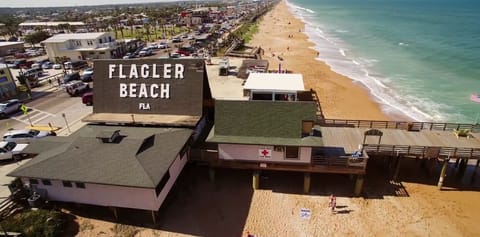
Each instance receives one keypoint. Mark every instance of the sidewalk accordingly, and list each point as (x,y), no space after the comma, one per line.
(66,131)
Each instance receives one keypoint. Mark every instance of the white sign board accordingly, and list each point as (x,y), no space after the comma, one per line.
(305,213)
(264,153)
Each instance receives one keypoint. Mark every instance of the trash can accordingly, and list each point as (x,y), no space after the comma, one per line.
(35,200)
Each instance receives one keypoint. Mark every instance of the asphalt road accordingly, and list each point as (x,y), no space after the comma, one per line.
(48,105)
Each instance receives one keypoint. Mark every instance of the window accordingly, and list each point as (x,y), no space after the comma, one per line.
(67,184)
(100,41)
(79,185)
(33,181)
(46,182)
(162,183)
(291,152)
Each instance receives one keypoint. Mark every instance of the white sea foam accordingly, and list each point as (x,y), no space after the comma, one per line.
(360,69)
(303,9)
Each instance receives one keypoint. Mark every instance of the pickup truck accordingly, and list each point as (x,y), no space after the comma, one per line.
(11,150)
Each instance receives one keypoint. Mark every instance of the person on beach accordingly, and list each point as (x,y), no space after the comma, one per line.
(333,202)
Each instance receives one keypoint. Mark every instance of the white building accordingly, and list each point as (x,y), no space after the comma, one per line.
(273,86)
(81,46)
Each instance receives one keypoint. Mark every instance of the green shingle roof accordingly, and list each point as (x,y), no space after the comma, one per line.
(84,158)
(262,122)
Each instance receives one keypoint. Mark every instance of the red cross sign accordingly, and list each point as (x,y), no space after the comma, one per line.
(264,153)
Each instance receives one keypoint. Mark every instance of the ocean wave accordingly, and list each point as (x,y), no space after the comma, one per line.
(359,69)
(291,5)
(392,98)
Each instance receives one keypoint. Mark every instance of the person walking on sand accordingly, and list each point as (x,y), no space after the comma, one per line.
(333,202)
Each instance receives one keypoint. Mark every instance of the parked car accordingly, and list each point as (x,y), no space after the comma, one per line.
(22,63)
(49,65)
(76,87)
(57,66)
(176,40)
(9,107)
(87,77)
(24,135)
(77,65)
(175,55)
(88,71)
(71,77)
(128,55)
(163,45)
(145,52)
(11,150)
(87,98)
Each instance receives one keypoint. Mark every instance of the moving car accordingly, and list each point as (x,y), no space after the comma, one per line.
(24,135)
(9,107)
(76,87)
(11,150)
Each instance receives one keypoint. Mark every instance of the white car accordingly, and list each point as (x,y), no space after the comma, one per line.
(76,87)
(24,135)
(10,150)
(57,66)
(88,71)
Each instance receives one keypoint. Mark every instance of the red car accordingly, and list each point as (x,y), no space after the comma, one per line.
(87,98)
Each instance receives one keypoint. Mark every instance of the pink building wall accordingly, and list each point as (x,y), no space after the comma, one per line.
(251,153)
(110,195)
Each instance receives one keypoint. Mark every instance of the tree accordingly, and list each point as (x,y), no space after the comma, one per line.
(11,24)
(36,37)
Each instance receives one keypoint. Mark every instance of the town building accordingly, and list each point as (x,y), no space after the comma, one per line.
(82,46)
(137,140)
(8,88)
(273,86)
(51,27)
(9,48)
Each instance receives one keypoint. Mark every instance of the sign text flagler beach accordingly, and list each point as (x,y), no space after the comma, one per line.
(145,71)
(151,86)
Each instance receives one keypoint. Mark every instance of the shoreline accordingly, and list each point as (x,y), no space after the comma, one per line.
(282,34)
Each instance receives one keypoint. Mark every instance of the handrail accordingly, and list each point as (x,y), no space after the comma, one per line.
(423,151)
(411,126)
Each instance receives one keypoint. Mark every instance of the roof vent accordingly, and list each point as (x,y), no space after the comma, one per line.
(109,136)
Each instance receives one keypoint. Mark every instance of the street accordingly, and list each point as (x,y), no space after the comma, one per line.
(48,105)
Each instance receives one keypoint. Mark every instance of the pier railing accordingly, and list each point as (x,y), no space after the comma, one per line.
(411,126)
(422,151)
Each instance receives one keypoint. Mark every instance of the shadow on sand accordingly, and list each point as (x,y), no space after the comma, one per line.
(194,206)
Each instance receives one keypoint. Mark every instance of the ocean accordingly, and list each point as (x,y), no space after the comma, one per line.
(417,57)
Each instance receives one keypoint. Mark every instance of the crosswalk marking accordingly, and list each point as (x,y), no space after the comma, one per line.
(36,116)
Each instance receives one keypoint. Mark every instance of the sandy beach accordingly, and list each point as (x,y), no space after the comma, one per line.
(280,35)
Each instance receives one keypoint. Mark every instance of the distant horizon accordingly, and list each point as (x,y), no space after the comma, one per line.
(62,3)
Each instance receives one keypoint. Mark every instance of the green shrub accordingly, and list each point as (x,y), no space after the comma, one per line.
(36,223)
(121,230)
